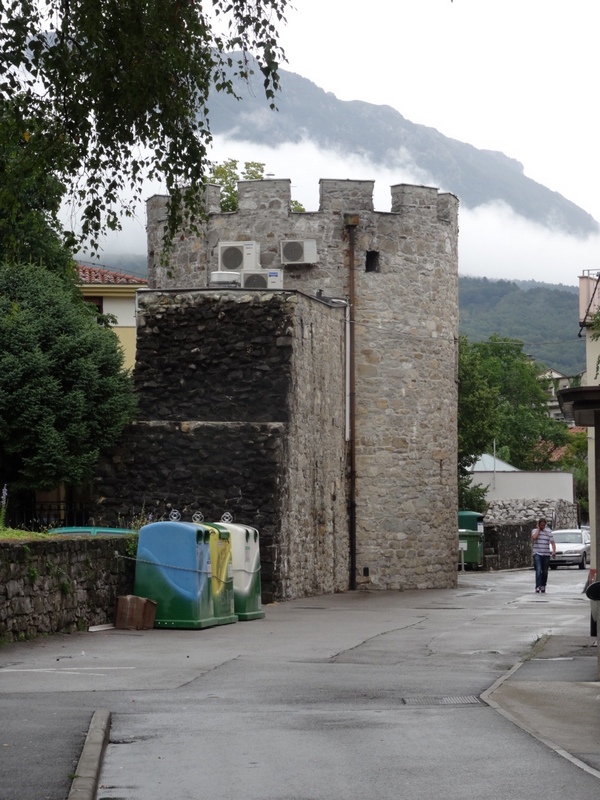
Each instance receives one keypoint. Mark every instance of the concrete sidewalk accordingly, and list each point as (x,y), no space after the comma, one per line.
(555,696)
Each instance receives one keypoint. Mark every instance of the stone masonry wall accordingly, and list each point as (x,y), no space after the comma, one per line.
(191,467)
(406,312)
(314,545)
(214,356)
(530,511)
(62,584)
(214,373)
(508,545)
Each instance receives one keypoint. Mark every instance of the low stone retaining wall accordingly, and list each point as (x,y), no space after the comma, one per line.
(508,545)
(63,584)
(511,511)
(507,529)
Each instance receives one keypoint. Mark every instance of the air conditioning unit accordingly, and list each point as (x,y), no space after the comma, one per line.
(236,256)
(298,251)
(263,279)
(224,278)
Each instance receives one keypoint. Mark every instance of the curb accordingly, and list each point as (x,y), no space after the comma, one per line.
(487,699)
(87,775)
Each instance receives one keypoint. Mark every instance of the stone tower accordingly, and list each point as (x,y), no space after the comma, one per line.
(398,272)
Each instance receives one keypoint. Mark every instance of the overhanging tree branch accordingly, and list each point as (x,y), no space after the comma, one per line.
(126,82)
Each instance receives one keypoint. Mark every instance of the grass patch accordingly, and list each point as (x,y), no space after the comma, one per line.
(13,535)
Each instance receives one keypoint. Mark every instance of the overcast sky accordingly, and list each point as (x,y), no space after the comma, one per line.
(519,76)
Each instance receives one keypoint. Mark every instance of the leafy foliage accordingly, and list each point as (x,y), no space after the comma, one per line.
(126,82)
(32,159)
(471,497)
(502,400)
(575,459)
(546,318)
(526,437)
(477,423)
(64,395)
(226,175)
(477,404)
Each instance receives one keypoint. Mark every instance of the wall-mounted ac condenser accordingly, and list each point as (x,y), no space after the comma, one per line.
(224,278)
(298,251)
(239,255)
(263,279)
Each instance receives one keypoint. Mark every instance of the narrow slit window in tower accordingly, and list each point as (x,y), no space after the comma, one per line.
(372,261)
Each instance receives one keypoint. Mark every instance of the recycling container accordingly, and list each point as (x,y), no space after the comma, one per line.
(173,568)
(92,531)
(245,559)
(222,573)
(471,543)
(470,521)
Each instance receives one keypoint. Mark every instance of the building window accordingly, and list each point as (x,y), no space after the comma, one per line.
(95,301)
(372,261)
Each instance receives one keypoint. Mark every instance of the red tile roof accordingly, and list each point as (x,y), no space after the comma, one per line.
(100,275)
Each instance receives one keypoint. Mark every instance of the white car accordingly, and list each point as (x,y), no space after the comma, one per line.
(572,548)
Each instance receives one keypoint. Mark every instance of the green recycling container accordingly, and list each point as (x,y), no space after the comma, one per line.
(245,559)
(471,543)
(470,521)
(91,531)
(173,568)
(222,573)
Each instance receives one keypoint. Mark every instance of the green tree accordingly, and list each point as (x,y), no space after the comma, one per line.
(226,175)
(526,436)
(502,402)
(32,159)
(575,459)
(477,422)
(64,395)
(126,83)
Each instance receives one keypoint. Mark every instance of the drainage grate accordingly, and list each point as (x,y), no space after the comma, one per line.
(458,700)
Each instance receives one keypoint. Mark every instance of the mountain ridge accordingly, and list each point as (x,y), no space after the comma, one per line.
(545,317)
(383,135)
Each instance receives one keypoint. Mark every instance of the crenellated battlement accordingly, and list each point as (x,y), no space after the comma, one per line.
(274,196)
(264,217)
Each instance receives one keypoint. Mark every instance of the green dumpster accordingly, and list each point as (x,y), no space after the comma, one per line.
(470,521)
(470,548)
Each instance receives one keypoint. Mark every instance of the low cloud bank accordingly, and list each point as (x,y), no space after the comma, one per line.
(494,242)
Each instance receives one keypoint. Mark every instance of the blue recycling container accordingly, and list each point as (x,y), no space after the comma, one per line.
(173,568)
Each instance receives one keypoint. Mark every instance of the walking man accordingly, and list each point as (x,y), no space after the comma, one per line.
(543,545)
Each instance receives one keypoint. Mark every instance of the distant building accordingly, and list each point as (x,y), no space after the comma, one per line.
(505,482)
(114,293)
(555,381)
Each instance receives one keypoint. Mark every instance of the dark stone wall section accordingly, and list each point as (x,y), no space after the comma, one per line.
(508,545)
(210,468)
(211,356)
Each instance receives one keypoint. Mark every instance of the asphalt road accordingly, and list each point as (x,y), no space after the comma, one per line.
(327,697)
